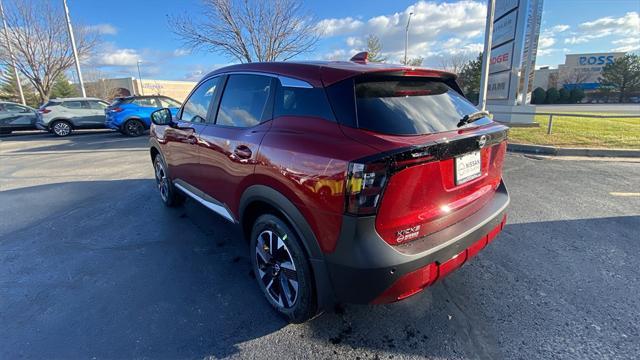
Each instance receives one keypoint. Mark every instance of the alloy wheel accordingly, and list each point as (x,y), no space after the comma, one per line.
(134,128)
(276,269)
(162,181)
(61,128)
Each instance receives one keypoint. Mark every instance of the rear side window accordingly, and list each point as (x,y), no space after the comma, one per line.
(98,105)
(245,101)
(410,106)
(72,104)
(168,103)
(298,101)
(146,102)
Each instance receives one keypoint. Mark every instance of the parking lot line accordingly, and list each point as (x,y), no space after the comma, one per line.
(626,194)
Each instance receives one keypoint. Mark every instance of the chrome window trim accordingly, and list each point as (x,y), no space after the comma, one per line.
(285,81)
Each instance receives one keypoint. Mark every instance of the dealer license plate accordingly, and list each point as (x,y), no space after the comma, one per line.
(468,167)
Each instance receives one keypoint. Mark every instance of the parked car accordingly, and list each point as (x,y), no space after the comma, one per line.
(132,115)
(14,117)
(62,116)
(352,182)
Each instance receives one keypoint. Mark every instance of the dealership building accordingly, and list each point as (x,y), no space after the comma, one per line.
(110,88)
(578,70)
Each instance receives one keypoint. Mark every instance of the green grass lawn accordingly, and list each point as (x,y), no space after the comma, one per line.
(567,131)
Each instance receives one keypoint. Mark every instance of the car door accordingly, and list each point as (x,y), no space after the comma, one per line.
(22,117)
(97,112)
(181,140)
(147,105)
(229,146)
(77,111)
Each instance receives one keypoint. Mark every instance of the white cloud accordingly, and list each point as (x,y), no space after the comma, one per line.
(103,29)
(333,27)
(181,52)
(627,44)
(559,28)
(437,29)
(117,57)
(624,26)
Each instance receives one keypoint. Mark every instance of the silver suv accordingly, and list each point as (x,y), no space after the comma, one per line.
(62,116)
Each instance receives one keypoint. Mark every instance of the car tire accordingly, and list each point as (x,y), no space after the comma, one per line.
(282,269)
(133,128)
(61,128)
(169,195)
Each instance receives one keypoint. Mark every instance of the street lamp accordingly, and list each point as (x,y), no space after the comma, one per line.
(140,77)
(73,47)
(406,39)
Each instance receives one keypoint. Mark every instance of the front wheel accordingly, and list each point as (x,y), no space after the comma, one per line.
(133,128)
(281,268)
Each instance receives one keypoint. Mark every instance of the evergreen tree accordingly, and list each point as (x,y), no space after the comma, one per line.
(576,95)
(374,48)
(9,89)
(538,95)
(552,96)
(62,88)
(564,96)
(623,75)
(469,79)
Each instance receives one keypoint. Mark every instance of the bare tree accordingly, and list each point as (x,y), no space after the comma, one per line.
(266,30)
(454,63)
(416,61)
(576,76)
(40,41)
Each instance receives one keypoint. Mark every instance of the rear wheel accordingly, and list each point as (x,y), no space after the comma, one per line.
(281,268)
(170,196)
(61,128)
(133,128)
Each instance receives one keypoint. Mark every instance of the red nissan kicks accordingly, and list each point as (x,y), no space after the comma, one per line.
(353,182)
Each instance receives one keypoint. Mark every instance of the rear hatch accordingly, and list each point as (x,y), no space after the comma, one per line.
(430,168)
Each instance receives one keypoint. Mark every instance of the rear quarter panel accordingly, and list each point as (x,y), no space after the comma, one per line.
(306,160)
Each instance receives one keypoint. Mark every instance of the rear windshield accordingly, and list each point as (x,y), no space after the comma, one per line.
(410,106)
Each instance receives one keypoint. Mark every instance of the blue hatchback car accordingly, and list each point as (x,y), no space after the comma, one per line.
(132,115)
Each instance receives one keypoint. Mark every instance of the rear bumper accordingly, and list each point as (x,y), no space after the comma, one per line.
(363,267)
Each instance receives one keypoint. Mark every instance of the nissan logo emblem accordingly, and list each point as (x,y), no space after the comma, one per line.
(482,141)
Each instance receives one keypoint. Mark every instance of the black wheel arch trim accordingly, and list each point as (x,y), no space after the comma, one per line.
(324,289)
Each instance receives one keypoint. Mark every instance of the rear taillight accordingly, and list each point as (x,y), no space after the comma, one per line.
(44,111)
(366,180)
(365,184)
(117,109)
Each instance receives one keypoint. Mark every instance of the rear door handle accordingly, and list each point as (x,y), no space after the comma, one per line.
(242,152)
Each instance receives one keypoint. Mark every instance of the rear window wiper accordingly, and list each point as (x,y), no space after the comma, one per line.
(469,118)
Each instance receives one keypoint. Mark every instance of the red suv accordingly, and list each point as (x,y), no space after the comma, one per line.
(352,182)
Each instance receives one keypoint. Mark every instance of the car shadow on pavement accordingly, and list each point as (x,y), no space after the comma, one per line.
(102,269)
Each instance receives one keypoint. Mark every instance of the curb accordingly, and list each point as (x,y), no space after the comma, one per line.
(561,151)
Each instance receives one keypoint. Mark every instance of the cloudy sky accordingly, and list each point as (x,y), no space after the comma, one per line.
(133,30)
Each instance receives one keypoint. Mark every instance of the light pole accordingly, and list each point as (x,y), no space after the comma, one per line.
(486,56)
(13,60)
(73,47)
(406,38)
(140,77)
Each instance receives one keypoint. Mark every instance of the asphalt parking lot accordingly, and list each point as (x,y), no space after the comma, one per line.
(92,265)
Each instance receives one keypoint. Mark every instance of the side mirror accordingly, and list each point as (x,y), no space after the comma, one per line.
(162,117)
